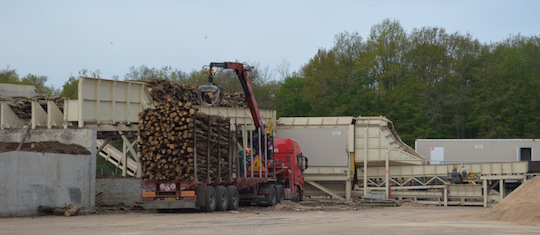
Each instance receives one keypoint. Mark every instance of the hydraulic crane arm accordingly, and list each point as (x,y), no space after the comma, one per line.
(242,73)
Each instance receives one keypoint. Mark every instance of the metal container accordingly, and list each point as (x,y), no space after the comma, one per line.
(446,151)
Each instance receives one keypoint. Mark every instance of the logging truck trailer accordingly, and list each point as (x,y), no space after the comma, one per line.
(271,174)
(267,183)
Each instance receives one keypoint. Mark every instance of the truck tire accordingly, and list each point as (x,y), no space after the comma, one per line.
(271,198)
(280,192)
(234,197)
(210,199)
(298,196)
(222,201)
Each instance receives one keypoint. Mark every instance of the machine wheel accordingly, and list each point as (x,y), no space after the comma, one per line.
(281,193)
(210,199)
(234,197)
(472,178)
(222,198)
(271,198)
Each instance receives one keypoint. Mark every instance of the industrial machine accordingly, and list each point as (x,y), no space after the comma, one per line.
(266,170)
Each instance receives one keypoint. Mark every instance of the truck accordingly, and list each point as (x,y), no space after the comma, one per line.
(264,170)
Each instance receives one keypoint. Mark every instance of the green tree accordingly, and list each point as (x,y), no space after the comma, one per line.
(505,101)
(143,72)
(38,81)
(464,57)
(70,89)
(427,61)
(386,47)
(8,75)
(289,100)
(322,84)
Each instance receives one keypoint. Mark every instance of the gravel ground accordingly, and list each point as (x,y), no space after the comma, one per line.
(286,218)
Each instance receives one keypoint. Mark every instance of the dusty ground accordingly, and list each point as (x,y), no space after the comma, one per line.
(287,218)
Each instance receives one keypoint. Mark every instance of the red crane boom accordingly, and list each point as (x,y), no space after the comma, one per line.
(242,73)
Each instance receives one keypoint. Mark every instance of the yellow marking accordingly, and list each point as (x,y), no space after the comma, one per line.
(269,128)
(148,194)
(188,193)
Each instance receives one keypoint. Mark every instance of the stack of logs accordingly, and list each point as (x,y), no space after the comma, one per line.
(175,138)
(159,89)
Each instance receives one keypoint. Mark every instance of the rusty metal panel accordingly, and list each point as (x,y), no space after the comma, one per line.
(323,146)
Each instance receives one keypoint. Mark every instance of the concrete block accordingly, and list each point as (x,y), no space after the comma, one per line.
(118,191)
(13,90)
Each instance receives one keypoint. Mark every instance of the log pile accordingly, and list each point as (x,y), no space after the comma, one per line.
(189,92)
(176,140)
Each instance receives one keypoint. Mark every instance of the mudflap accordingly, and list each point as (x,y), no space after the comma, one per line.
(200,194)
(267,195)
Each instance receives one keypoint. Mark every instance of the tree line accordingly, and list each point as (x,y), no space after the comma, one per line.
(430,83)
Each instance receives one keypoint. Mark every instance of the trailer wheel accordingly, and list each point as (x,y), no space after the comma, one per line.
(234,197)
(222,198)
(210,199)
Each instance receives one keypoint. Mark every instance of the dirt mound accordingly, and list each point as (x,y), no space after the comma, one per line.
(45,147)
(521,206)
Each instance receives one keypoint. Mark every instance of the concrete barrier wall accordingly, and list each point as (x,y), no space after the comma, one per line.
(118,191)
(30,179)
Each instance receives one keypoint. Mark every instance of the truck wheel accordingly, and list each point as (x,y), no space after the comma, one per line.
(281,193)
(234,197)
(271,198)
(222,198)
(298,196)
(210,199)
(299,193)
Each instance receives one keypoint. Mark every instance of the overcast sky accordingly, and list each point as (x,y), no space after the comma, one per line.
(59,38)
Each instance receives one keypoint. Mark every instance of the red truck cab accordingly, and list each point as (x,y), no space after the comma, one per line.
(291,163)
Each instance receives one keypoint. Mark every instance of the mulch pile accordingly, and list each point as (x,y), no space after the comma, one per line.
(45,147)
